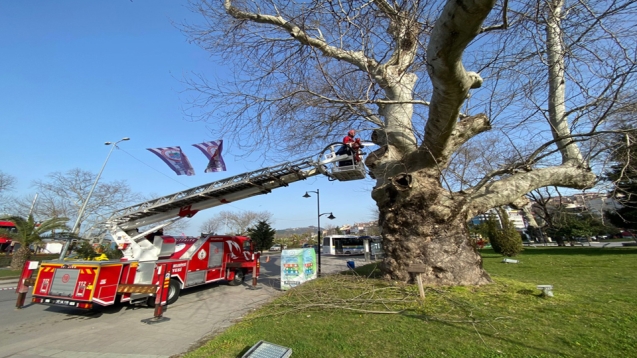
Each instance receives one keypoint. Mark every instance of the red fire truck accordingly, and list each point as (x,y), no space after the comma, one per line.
(155,263)
(192,262)
(5,242)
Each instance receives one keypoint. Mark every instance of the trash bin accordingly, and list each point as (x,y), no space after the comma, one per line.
(351,264)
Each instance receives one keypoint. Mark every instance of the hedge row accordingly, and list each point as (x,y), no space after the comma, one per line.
(5,260)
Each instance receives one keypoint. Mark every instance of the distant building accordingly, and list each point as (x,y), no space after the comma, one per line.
(594,203)
(516,217)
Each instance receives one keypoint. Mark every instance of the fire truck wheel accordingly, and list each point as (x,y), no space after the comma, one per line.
(239,276)
(173,294)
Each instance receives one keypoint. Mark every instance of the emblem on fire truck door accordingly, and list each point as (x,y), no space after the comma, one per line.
(201,255)
(233,246)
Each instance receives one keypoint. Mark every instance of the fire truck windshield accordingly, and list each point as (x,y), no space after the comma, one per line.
(9,228)
(6,227)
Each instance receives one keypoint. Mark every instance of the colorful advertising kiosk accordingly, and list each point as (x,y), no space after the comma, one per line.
(297,266)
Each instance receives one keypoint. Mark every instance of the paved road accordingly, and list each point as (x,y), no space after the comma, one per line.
(47,331)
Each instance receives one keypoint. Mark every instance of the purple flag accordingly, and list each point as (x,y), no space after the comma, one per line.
(212,151)
(175,159)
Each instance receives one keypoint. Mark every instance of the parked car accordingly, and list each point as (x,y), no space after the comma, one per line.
(277,247)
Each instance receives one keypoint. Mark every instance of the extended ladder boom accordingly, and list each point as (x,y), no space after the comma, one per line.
(122,223)
(188,202)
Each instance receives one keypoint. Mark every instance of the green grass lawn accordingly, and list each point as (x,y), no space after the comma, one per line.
(9,273)
(593,313)
(5,261)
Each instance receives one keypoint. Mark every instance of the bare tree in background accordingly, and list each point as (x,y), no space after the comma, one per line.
(62,195)
(236,222)
(211,226)
(177,228)
(7,182)
(423,79)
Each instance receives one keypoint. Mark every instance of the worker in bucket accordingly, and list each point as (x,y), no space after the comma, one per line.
(350,146)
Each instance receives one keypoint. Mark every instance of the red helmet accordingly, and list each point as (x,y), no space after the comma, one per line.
(351,133)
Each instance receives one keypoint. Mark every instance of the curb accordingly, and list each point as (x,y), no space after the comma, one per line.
(8,279)
(7,284)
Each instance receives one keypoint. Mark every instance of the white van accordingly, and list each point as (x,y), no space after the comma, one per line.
(277,247)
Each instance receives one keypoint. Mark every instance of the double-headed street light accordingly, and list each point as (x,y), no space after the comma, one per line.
(76,226)
(318,211)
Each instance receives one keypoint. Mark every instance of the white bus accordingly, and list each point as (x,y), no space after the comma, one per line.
(343,245)
(375,248)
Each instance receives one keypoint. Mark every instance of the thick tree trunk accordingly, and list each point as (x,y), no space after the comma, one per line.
(418,228)
(20,256)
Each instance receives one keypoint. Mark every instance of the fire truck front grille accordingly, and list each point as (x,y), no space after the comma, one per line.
(64,282)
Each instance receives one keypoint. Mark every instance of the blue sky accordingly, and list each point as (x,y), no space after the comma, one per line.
(76,74)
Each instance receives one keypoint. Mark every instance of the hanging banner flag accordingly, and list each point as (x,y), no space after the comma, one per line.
(175,159)
(212,151)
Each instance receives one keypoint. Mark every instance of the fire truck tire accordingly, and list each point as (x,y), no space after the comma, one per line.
(239,277)
(173,294)
(173,291)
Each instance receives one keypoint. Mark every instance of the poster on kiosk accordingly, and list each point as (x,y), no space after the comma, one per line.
(297,266)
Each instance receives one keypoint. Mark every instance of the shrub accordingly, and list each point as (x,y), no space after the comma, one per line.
(85,250)
(112,252)
(505,241)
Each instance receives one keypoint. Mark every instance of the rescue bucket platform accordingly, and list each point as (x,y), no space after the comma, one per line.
(342,167)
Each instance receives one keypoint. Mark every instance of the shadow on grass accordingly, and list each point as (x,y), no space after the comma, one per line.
(371,270)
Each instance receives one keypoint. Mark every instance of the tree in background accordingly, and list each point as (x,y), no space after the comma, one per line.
(569,225)
(543,210)
(112,252)
(262,235)
(237,223)
(623,175)
(63,194)
(472,104)
(85,250)
(211,226)
(7,184)
(505,239)
(501,233)
(30,232)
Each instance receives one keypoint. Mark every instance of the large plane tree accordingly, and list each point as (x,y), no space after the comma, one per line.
(472,104)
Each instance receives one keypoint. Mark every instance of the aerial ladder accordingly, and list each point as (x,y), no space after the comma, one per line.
(123,224)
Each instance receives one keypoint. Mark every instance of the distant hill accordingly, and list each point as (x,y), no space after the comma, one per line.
(364,228)
(296,230)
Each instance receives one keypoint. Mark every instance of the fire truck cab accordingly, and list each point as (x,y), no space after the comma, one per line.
(5,242)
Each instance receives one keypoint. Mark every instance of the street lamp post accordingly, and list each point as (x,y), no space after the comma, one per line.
(76,226)
(318,241)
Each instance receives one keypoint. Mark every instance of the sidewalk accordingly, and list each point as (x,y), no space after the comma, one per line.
(8,283)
